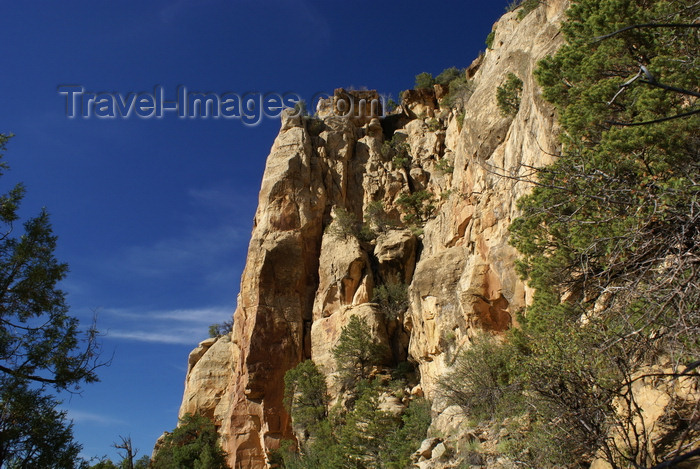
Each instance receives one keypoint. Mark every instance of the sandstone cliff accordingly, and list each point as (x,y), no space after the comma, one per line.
(301,283)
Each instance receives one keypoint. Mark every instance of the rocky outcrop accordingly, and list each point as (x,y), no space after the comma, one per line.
(303,281)
(209,370)
(345,277)
(465,280)
(295,276)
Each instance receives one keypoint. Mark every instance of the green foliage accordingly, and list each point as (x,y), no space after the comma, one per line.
(141,463)
(356,353)
(300,108)
(483,380)
(508,95)
(347,224)
(573,378)
(526,6)
(32,432)
(417,207)
(305,396)
(444,166)
(391,105)
(193,444)
(314,125)
(41,345)
(398,150)
(424,80)
(344,224)
(392,298)
(288,458)
(401,162)
(433,125)
(611,225)
(376,218)
(444,195)
(489,39)
(402,93)
(460,91)
(221,329)
(354,434)
(104,464)
(460,119)
(362,437)
(448,75)
(541,446)
(403,441)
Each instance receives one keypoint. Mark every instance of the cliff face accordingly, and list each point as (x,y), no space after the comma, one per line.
(302,283)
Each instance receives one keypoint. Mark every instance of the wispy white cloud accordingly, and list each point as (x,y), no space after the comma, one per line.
(182,337)
(184,314)
(79,416)
(197,248)
(177,326)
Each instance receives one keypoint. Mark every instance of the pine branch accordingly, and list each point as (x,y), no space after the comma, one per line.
(655,121)
(646,25)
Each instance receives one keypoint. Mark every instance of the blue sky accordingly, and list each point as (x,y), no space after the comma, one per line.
(154,215)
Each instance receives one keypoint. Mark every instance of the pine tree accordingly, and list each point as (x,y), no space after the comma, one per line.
(33,433)
(356,352)
(613,227)
(305,396)
(193,444)
(40,343)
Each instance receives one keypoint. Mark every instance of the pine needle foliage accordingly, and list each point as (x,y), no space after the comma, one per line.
(612,227)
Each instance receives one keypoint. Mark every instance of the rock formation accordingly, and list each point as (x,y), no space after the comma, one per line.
(302,282)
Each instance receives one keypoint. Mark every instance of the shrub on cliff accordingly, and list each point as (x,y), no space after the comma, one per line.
(392,298)
(398,150)
(305,396)
(363,437)
(448,75)
(404,439)
(347,224)
(483,380)
(508,95)
(417,207)
(424,80)
(525,7)
(489,39)
(193,444)
(376,218)
(344,223)
(459,93)
(356,352)
(221,329)
(355,433)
